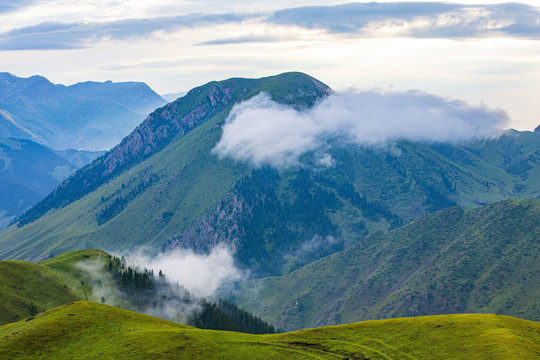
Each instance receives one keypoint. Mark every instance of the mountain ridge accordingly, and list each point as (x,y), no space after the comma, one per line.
(27,289)
(30,171)
(44,112)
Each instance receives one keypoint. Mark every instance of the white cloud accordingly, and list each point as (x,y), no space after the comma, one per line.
(262,132)
(202,275)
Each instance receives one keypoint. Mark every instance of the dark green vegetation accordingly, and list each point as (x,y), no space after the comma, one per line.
(86,330)
(27,289)
(163,186)
(89,115)
(483,260)
(29,171)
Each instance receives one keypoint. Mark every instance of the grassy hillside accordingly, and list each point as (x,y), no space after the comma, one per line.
(86,330)
(483,260)
(27,289)
(163,187)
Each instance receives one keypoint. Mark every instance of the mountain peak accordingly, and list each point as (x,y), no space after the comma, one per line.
(7,78)
(175,120)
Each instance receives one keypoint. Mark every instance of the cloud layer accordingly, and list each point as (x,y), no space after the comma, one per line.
(364,20)
(58,35)
(262,132)
(415,19)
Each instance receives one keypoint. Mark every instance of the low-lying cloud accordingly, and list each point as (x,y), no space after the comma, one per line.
(262,132)
(166,299)
(181,279)
(202,275)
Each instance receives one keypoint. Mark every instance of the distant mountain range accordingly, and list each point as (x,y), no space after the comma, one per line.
(88,115)
(29,171)
(170,97)
(41,125)
(163,185)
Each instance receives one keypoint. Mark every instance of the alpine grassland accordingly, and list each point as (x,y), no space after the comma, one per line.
(87,330)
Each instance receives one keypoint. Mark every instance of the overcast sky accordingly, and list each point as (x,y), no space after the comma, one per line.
(481,52)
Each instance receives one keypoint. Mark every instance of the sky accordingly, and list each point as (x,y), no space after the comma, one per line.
(484,53)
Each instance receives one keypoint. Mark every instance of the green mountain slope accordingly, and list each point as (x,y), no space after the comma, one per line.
(483,260)
(162,186)
(87,330)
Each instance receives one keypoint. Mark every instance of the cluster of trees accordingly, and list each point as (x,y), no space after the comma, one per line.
(75,187)
(371,210)
(274,227)
(224,315)
(437,200)
(118,204)
(146,291)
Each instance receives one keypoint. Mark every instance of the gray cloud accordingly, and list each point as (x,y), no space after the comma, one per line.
(262,132)
(352,17)
(11,5)
(76,35)
(436,19)
(416,19)
(410,19)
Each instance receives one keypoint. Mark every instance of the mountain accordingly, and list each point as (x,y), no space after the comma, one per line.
(29,171)
(86,330)
(89,115)
(483,260)
(163,186)
(173,96)
(27,289)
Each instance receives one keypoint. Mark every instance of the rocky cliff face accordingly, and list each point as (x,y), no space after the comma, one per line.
(165,124)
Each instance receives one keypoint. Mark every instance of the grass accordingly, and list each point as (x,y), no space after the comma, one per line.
(23,283)
(45,285)
(87,330)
